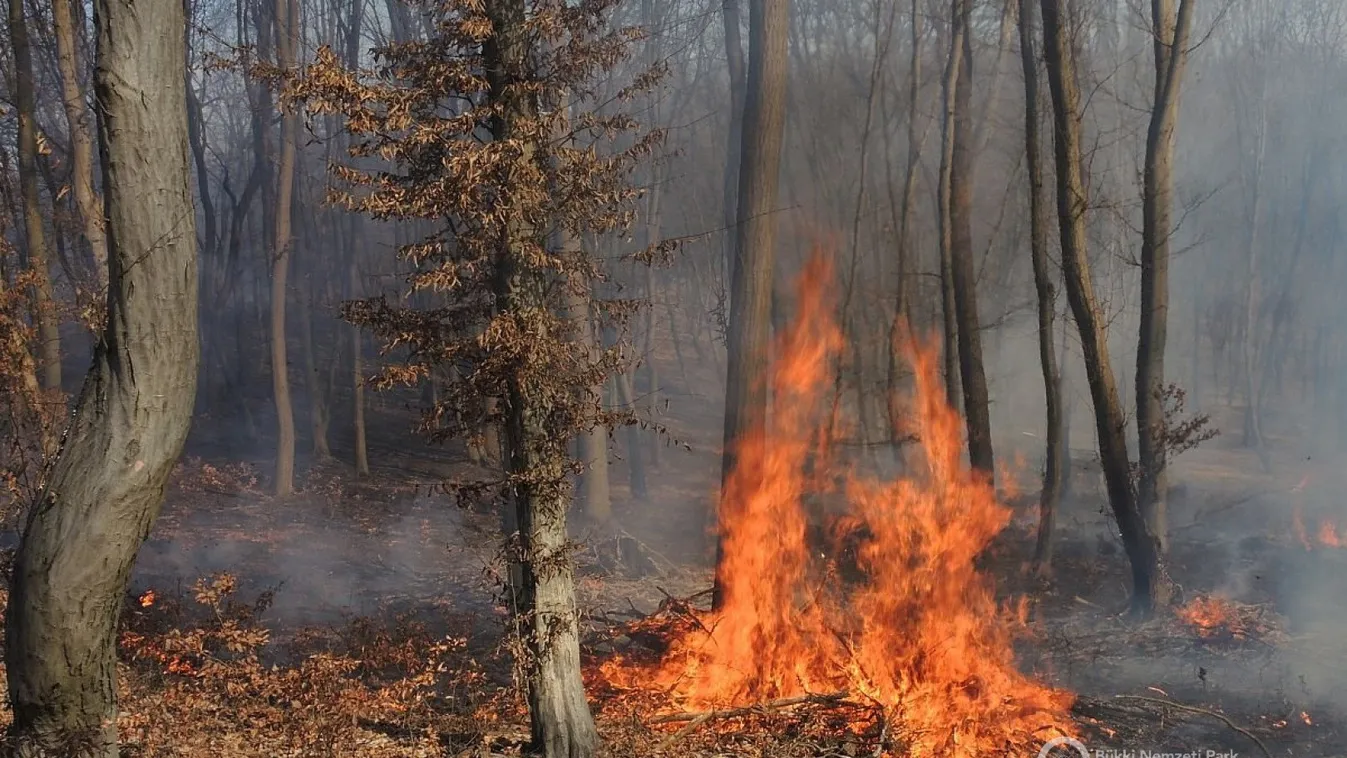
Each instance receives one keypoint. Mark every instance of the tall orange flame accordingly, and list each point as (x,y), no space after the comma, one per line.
(923,637)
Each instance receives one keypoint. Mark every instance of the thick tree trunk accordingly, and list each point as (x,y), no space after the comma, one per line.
(134,412)
(287,18)
(977,410)
(1151,585)
(81,137)
(35,237)
(541,575)
(755,234)
(1171,53)
(1053,471)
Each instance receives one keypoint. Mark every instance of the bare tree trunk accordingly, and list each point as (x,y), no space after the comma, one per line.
(915,138)
(626,398)
(542,576)
(1171,53)
(135,409)
(313,379)
(977,411)
(287,35)
(35,238)
(754,260)
(1248,353)
(734,54)
(945,201)
(357,361)
(595,494)
(81,137)
(1150,582)
(1050,496)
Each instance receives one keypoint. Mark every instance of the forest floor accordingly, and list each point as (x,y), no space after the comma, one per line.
(361,619)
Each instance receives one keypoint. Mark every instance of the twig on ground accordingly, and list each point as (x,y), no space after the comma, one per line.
(1207,711)
(729,713)
(883,733)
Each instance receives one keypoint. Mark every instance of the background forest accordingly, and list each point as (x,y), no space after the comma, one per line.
(483,266)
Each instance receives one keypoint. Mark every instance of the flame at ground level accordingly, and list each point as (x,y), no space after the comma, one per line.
(923,638)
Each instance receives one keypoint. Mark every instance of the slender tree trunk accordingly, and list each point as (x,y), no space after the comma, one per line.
(626,399)
(81,137)
(314,382)
(755,236)
(944,203)
(734,55)
(1150,582)
(133,415)
(541,575)
(1171,53)
(357,361)
(1050,496)
(1248,352)
(963,271)
(35,238)
(915,137)
(595,495)
(287,22)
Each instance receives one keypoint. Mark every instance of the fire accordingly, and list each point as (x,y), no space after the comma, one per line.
(1211,616)
(924,638)
(1328,534)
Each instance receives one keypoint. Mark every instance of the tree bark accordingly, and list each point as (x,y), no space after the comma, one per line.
(977,411)
(915,138)
(1150,582)
(287,22)
(626,398)
(35,237)
(541,576)
(136,406)
(944,205)
(1051,493)
(755,235)
(734,56)
(1171,42)
(595,494)
(81,137)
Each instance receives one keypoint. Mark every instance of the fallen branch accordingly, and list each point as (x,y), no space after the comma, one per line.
(768,707)
(1206,711)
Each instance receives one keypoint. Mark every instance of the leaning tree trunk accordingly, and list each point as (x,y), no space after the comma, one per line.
(48,334)
(135,409)
(755,235)
(1051,494)
(541,575)
(977,411)
(1171,52)
(1151,584)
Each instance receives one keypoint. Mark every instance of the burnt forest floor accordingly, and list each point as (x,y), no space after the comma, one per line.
(360,618)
